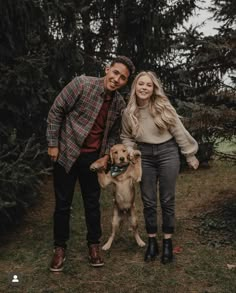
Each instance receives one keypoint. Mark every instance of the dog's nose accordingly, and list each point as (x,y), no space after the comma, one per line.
(122,159)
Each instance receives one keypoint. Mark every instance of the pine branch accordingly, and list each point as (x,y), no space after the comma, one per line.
(224,156)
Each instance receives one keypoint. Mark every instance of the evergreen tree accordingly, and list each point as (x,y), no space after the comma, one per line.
(44,44)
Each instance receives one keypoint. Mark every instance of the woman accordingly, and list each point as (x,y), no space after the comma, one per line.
(151,124)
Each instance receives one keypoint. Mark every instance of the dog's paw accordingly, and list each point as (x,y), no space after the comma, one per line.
(141,243)
(136,154)
(94,167)
(139,179)
(106,246)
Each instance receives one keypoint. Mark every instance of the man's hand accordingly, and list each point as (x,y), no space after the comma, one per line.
(53,153)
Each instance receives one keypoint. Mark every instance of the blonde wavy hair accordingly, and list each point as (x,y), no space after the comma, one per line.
(161,110)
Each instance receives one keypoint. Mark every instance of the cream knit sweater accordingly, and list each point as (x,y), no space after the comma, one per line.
(151,134)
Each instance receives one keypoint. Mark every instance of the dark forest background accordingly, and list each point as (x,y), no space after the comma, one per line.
(45,43)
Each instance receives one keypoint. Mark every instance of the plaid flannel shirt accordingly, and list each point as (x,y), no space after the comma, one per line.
(73,114)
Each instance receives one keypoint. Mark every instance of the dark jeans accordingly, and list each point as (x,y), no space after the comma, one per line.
(64,185)
(160,162)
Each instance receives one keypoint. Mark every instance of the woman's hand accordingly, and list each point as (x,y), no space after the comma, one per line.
(194,163)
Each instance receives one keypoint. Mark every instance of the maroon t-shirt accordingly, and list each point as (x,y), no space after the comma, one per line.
(93,141)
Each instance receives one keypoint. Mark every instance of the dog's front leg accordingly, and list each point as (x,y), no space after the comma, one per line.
(115,225)
(135,159)
(104,179)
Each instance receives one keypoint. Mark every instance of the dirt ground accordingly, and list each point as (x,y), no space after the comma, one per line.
(204,244)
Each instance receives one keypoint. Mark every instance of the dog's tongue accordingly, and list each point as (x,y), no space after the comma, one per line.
(124,164)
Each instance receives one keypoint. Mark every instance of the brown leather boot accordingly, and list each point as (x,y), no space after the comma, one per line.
(95,259)
(58,259)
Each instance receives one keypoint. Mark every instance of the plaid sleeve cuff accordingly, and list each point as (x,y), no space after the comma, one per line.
(53,142)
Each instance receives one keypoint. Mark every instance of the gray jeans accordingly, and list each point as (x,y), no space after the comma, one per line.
(160,163)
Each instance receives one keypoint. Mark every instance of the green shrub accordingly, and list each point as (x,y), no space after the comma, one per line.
(22,168)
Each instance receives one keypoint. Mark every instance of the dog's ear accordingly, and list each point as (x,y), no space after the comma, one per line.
(111,156)
(130,158)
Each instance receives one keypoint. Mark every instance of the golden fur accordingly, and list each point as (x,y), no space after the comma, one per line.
(124,189)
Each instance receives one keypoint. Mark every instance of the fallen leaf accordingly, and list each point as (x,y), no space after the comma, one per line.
(177,249)
(230,267)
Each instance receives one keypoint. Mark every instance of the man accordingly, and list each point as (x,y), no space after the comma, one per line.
(83,123)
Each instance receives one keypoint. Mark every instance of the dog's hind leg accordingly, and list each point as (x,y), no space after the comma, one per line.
(115,225)
(134,225)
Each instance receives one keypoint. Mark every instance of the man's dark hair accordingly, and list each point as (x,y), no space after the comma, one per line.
(126,61)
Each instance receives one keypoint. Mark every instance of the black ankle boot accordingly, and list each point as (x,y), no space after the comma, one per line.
(152,249)
(167,252)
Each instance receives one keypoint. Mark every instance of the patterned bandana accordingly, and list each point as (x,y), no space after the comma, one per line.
(117,170)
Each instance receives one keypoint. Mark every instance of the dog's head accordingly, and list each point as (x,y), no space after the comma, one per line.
(119,155)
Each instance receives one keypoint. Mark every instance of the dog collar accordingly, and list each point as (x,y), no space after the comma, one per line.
(117,170)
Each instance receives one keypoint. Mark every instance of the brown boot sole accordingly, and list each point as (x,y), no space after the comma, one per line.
(58,270)
(95,264)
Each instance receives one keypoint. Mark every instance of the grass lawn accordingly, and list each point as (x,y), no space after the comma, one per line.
(205,239)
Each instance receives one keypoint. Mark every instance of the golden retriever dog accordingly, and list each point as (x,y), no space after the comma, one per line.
(124,172)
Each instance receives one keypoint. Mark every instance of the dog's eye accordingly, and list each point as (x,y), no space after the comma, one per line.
(124,151)
(116,152)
